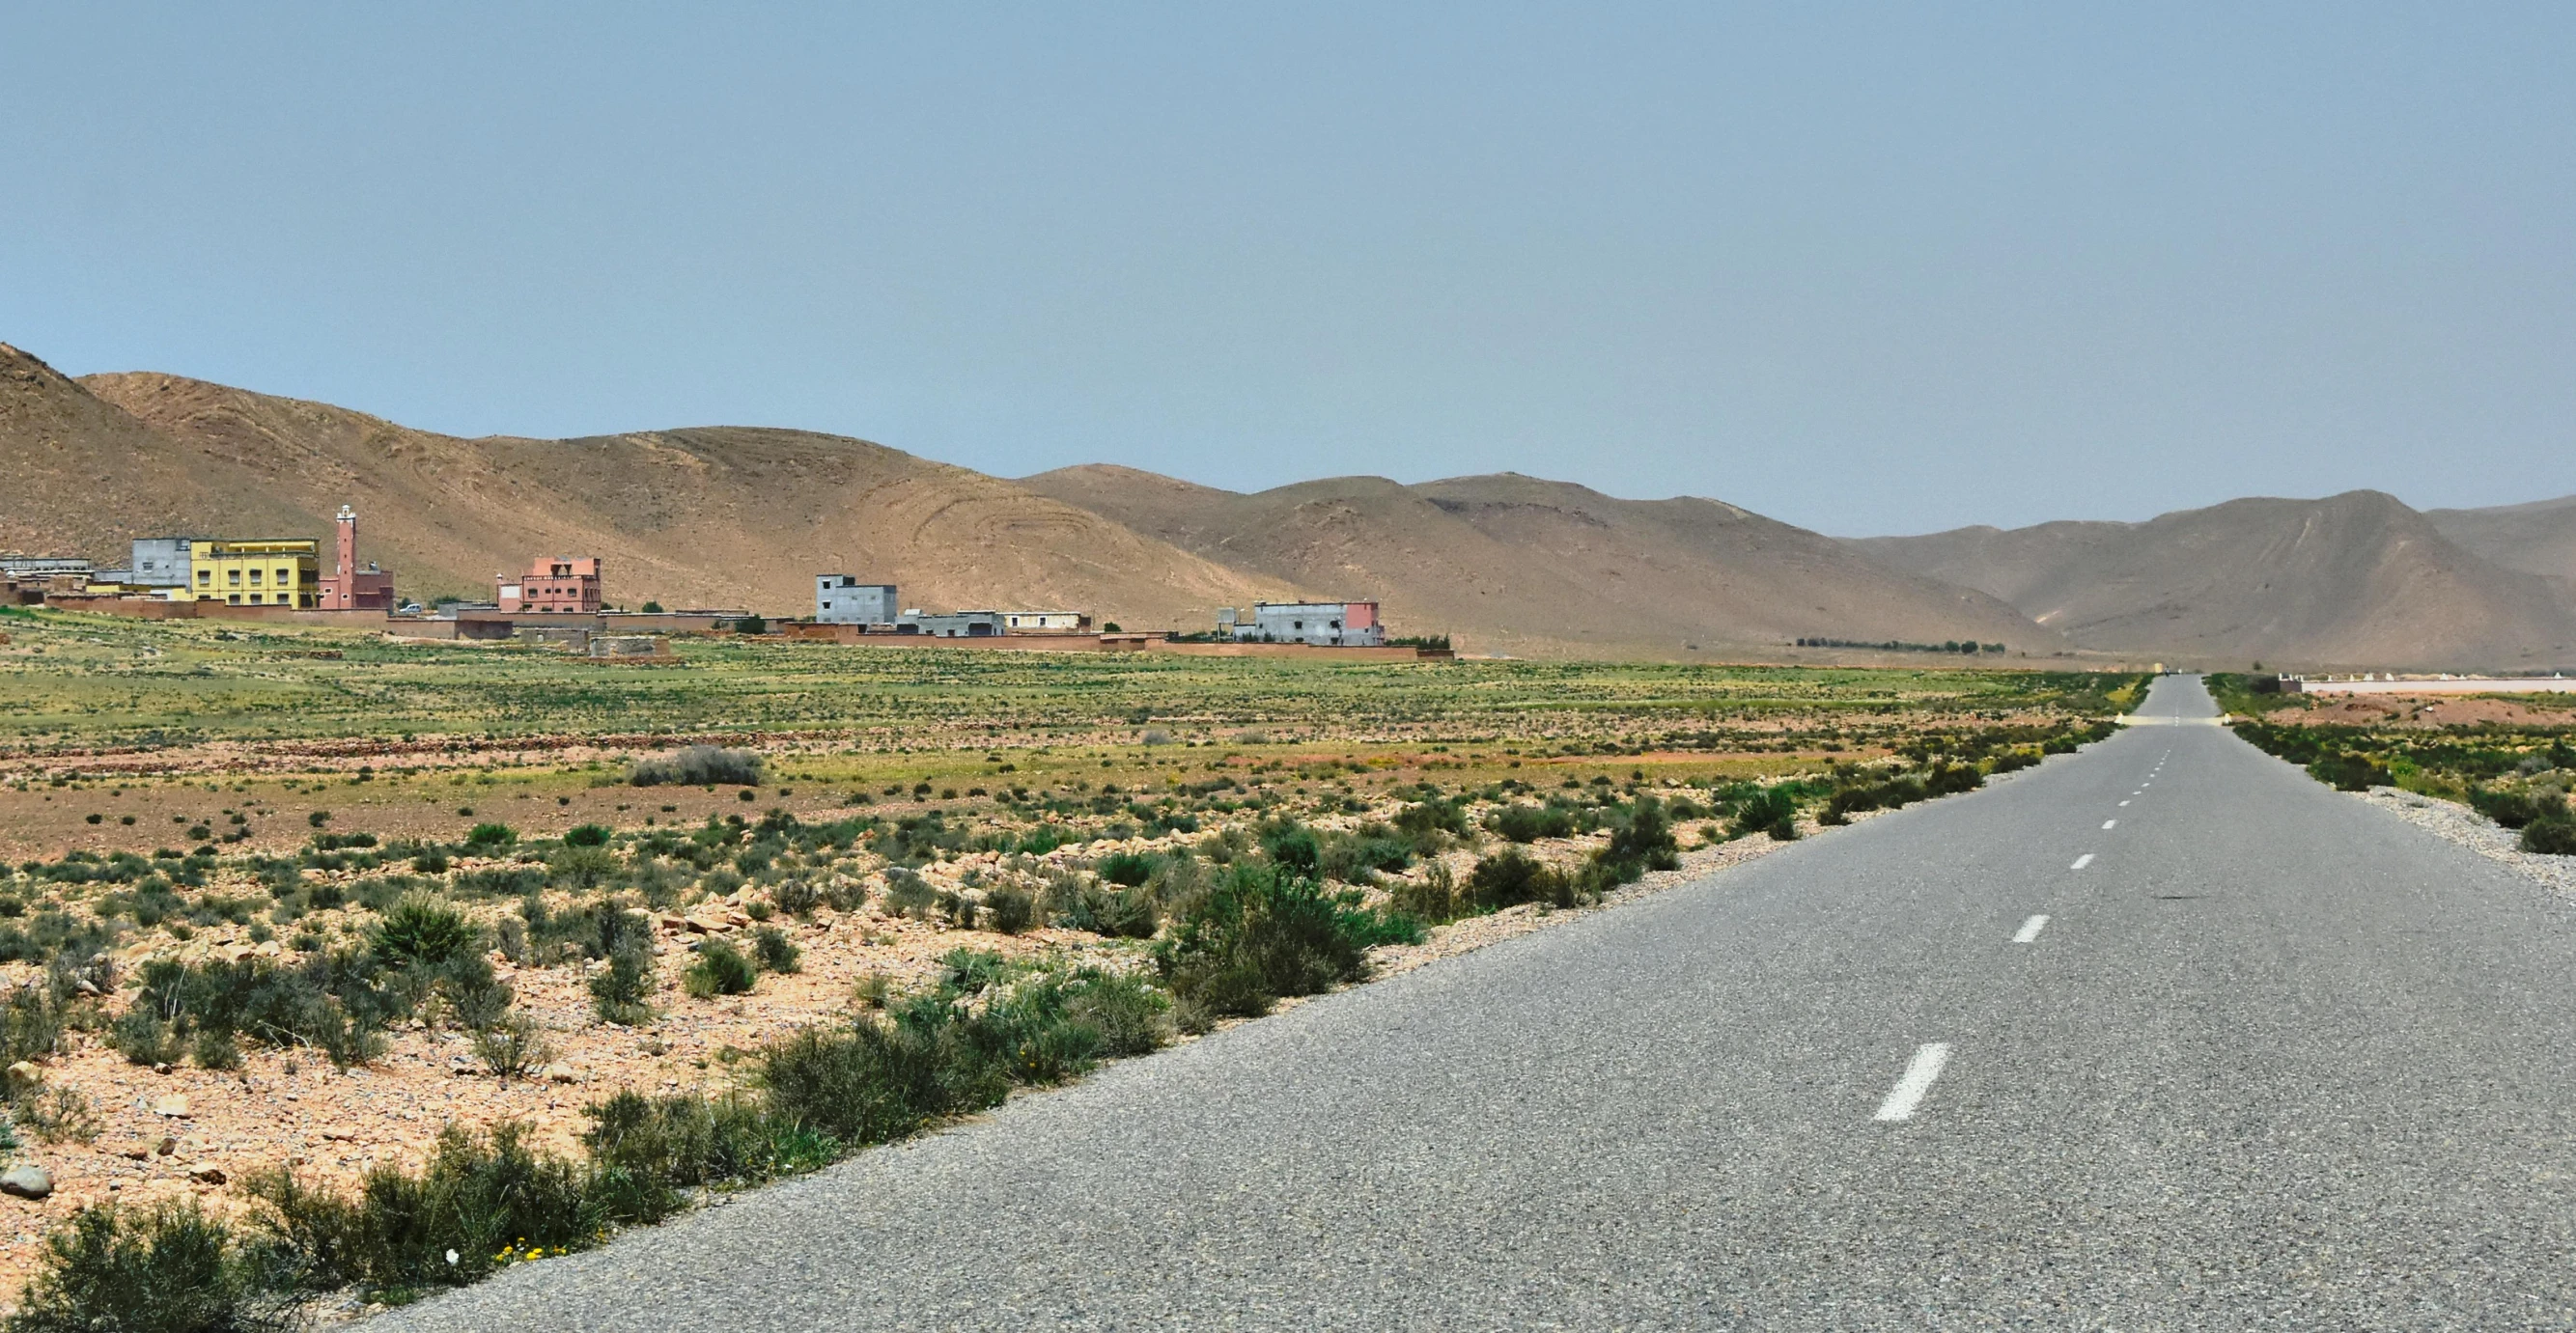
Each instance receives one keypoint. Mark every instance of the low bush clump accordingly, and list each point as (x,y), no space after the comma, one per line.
(2552,835)
(1770,810)
(2515,809)
(1529,823)
(698,766)
(1262,933)
(720,969)
(163,1269)
(2346,771)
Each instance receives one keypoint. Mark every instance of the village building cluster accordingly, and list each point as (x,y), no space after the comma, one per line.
(562,601)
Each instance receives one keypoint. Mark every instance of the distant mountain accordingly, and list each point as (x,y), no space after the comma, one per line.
(2536,538)
(1523,565)
(742,516)
(724,516)
(2356,580)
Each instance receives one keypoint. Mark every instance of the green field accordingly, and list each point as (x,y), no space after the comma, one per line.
(86,681)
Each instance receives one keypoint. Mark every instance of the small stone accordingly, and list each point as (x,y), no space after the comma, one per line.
(206,1173)
(560,1073)
(26,1182)
(24,1074)
(161,1069)
(166,1147)
(176,1104)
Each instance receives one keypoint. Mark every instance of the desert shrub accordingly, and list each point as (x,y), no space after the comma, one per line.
(1432,898)
(31,1018)
(795,897)
(58,1115)
(908,894)
(1771,810)
(720,969)
(466,988)
(501,882)
(2552,835)
(423,930)
(512,1046)
(215,1048)
(1102,910)
(478,1195)
(1509,878)
(2514,809)
(1291,846)
(490,839)
(1427,824)
(622,993)
(337,1003)
(1126,869)
(845,894)
(165,1269)
(1529,823)
(582,867)
(144,1037)
(866,1084)
(699,766)
(2346,771)
(1009,910)
(1640,842)
(1261,934)
(774,951)
(586,835)
(1130,1016)
(1352,858)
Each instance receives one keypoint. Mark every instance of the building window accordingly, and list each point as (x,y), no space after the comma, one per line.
(232,599)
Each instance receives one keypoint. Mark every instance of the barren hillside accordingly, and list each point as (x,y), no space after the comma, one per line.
(723,516)
(1524,565)
(2536,538)
(2355,580)
(83,477)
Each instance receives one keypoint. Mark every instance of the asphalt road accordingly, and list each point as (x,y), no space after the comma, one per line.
(2273,1060)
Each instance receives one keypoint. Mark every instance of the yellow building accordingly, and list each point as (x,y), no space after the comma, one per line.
(280,572)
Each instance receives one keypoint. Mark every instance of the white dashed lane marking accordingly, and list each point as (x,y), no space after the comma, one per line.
(1909,1090)
(2082,861)
(2030,929)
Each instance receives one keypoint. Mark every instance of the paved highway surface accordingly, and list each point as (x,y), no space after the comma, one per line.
(2162,1035)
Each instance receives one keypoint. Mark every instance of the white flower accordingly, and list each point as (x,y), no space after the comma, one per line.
(451,1258)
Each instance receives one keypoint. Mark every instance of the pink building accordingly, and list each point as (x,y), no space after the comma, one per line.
(352,588)
(557,584)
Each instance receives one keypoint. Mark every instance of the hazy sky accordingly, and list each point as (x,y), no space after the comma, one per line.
(1867,269)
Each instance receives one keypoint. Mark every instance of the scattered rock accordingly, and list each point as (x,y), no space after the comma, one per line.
(175,1104)
(26,1182)
(24,1075)
(560,1073)
(206,1173)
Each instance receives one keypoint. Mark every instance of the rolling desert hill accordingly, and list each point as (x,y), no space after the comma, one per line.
(723,516)
(2536,538)
(84,476)
(1522,565)
(2353,580)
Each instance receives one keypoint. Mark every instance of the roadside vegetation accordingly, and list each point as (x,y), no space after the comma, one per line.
(951,879)
(2517,774)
